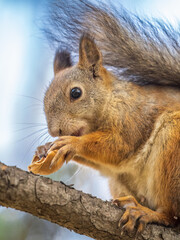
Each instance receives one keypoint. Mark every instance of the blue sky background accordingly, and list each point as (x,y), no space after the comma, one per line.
(25,71)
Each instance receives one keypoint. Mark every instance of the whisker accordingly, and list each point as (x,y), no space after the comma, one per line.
(31,124)
(37,139)
(38,105)
(78,170)
(49,137)
(33,143)
(35,132)
(30,127)
(21,95)
(45,139)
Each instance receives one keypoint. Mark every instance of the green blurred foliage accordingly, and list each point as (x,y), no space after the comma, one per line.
(15,225)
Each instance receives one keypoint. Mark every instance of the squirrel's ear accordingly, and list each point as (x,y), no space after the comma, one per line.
(62,60)
(89,54)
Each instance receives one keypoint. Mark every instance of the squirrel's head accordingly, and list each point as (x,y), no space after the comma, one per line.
(75,99)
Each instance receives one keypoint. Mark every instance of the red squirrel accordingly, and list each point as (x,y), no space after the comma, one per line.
(124,122)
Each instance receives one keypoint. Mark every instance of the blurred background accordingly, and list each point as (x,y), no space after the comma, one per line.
(25,71)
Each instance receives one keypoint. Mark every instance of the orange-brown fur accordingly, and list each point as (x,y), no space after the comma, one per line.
(130,133)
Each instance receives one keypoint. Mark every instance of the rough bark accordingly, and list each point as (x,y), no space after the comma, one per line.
(67,207)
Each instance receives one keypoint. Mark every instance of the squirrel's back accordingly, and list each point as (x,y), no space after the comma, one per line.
(136,49)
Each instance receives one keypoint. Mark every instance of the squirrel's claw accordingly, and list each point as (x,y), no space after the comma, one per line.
(137,215)
(63,155)
(43,150)
(66,149)
(51,156)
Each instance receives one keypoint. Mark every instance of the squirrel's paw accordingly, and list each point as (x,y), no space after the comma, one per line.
(137,215)
(67,148)
(42,150)
(42,160)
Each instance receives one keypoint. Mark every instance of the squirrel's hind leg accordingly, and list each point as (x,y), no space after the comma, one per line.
(138,216)
(162,183)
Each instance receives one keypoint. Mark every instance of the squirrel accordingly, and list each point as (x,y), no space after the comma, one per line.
(123,121)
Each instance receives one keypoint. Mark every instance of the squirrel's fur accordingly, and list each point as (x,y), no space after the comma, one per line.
(128,130)
(143,51)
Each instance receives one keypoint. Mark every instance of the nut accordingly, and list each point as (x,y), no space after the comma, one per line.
(42,165)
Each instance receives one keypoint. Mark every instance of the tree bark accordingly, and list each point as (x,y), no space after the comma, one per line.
(67,207)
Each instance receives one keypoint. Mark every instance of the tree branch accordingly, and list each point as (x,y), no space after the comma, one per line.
(68,207)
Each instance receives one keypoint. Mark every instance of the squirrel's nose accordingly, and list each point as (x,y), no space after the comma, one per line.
(60,132)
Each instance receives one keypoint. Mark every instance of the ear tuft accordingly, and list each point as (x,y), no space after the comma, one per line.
(89,54)
(62,60)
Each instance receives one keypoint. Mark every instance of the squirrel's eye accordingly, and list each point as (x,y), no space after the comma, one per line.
(75,93)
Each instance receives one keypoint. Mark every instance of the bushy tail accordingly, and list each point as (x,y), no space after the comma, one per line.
(136,49)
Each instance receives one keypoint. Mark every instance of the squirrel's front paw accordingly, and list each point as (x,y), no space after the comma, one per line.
(42,150)
(67,147)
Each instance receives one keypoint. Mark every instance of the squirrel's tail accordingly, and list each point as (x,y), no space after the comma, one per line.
(136,49)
